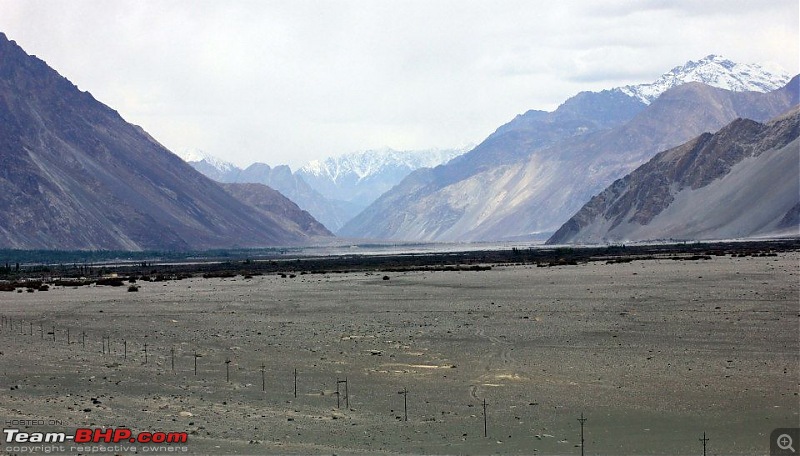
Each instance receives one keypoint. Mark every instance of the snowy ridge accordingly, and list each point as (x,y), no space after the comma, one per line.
(197,155)
(715,71)
(373,162)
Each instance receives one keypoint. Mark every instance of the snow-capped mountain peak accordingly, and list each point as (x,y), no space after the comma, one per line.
(362,165)
(359,178)
(715,71)
(197,155)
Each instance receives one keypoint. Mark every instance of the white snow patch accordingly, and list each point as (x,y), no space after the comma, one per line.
(197,155)
(373,162)
(715,71)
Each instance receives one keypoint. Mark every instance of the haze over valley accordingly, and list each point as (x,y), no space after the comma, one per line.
(527,178)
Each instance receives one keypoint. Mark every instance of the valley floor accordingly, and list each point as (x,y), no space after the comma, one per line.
(653,353)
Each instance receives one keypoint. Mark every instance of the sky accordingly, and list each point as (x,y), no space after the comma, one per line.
(288,81)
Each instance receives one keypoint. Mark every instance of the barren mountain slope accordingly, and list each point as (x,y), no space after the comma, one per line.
(530,198)
(739,182)
(75,175)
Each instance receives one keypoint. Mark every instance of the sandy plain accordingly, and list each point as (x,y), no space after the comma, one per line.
(653,353)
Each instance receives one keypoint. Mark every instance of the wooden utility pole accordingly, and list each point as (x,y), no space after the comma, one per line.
(704,440)
(485,421)
(263,382)
(346,396)
(582,420)
(337,392)
(405,403)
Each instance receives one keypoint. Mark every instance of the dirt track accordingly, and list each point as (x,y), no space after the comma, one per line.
(653,353)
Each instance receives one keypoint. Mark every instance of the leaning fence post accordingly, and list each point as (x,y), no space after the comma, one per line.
(263,383)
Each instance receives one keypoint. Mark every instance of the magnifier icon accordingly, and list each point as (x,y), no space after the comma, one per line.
(785,442)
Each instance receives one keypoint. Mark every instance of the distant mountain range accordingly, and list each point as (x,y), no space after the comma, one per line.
(75,175)
(333,190)
(532,174)
(361,177)
(739,182)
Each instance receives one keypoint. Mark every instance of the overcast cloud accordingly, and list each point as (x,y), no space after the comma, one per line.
(283,82)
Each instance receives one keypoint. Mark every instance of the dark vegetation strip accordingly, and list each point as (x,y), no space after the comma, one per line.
(14,276)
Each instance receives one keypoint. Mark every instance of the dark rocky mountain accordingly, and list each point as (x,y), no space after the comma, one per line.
(75,175)
(525,180)
(739,182)
(272,205)
(330,212)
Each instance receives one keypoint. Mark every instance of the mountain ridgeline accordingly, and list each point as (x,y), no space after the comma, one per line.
(75,175)
(333,190)
(530,176)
